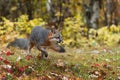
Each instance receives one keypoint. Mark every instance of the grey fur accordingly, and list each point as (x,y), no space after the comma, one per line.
(38,38)
(21,43)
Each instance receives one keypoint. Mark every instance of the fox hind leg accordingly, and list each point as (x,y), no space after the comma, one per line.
(30,47)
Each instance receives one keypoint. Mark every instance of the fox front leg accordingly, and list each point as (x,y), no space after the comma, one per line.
(57,48)
(43,52)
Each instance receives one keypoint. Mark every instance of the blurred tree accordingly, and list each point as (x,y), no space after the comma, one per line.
(94,11)
(112,12)
(30,9)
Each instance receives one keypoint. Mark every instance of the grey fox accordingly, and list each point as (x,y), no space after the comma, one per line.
(21,43)
(42,38)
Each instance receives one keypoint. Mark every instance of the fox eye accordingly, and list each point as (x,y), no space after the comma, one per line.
(58,37)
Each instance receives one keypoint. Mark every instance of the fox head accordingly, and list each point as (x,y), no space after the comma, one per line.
(55,36)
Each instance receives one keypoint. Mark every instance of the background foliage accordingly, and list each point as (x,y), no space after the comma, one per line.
(91,37)
(73,33)
(78,19)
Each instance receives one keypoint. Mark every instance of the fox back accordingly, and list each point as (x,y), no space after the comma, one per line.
(38,36)
(43,37)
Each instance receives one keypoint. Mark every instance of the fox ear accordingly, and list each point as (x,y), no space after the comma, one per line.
(50,34)
(53,30)
(59,29)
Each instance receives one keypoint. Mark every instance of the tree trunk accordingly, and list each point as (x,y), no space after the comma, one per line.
(29,9)
(51,10)
(95,14)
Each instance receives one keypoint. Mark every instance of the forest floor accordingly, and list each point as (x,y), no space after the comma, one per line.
(85,63)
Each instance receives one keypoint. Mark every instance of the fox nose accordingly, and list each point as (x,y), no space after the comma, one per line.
(60,41)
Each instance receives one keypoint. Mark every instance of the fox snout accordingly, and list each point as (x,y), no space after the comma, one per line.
(60,40)
(56,40)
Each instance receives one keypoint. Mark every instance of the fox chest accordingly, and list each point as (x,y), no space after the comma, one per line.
(46,43)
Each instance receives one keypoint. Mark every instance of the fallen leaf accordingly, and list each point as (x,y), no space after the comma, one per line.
(19,58)
(6,61)
(1,58)
(60,63)
(28,57)
(8,53)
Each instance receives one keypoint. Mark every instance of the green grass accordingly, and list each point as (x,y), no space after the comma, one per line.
(75,64)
